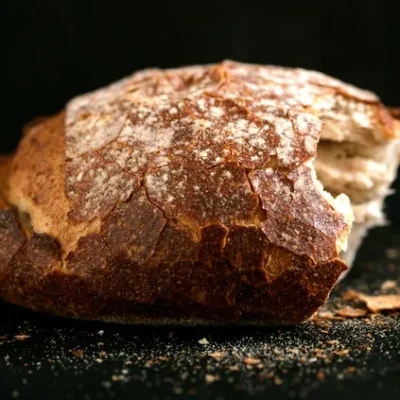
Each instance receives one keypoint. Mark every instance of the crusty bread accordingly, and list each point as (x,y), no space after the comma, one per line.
(186,195)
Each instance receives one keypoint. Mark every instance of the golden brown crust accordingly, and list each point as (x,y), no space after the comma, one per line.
(5,162)
(245,280)
(395,113)
(389,125)
(157,199)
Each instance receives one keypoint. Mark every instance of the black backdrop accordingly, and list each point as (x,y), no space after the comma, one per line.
(55,49)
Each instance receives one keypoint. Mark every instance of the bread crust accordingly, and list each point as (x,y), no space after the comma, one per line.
(178,196)
(395,112)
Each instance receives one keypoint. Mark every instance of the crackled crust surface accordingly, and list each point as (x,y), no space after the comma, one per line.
(177,195)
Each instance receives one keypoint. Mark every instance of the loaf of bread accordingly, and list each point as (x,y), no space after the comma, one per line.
(195,195)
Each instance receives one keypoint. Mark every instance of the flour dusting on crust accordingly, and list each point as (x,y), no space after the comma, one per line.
(191,136)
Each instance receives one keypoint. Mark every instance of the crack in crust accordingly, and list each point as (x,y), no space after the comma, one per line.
(179,194)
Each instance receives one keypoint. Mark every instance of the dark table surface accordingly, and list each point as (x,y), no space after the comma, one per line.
(42,357)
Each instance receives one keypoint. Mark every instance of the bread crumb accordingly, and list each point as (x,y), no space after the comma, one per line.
(218,355)
(204,341)
(278,381)
(377,303)
(251,361)
(77,353)
(320,375)
(332,342)
(391,254)
(388,285)
(211,378)
(21,338)
(350,312)
(324,315)
(341,353)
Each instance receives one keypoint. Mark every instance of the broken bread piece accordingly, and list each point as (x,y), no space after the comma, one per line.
(199,195)
(358,155)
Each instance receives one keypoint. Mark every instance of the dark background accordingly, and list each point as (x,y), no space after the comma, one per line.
(55,50)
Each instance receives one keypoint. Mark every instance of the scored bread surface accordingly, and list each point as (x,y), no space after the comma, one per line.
(180,195)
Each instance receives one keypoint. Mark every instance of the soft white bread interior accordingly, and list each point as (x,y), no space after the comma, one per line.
(358,158)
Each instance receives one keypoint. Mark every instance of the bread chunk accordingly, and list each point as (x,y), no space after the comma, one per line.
(211,194)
